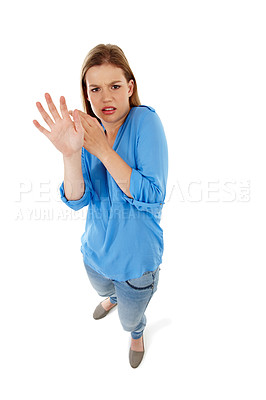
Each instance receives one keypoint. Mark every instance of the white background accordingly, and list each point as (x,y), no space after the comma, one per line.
(201,65)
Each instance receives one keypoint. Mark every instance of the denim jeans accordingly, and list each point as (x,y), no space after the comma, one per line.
(132,297)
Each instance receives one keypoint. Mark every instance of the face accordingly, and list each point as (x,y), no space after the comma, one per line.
(109,93)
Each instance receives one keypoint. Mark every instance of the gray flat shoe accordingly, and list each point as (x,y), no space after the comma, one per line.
(100,312)
(135,357)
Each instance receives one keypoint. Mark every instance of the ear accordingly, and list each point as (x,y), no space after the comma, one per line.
(130,87)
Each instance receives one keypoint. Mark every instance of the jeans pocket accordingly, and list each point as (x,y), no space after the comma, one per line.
(146,281)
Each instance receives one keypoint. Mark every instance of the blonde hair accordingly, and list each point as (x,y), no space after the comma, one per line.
(107,54)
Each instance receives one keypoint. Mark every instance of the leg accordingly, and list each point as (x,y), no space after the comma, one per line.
(103,286)
(133,297)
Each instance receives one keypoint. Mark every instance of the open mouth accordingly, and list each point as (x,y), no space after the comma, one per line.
(108,110)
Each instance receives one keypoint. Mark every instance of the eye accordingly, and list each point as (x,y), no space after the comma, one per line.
(115,87)
(95,90)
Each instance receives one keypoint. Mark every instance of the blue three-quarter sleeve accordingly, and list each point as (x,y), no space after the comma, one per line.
(148,180)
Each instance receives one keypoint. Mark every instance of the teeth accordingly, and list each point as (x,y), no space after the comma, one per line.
(109,109)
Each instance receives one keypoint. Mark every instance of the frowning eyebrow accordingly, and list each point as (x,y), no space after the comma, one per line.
(111,83)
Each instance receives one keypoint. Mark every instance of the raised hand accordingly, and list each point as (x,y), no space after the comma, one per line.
(64,135)
(95,140)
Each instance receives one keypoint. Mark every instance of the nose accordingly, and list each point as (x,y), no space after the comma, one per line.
(106,95)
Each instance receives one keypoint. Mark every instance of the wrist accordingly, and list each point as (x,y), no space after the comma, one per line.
(72,157)
(106,154)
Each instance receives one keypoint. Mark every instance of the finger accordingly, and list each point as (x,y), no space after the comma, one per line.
(84,114)
(86,117)
(92,120)
(89,122)
(70,112)
(52,107)
(41,128)
(63,108)
(86,126)
(44,114)
(83,120)
(77,122)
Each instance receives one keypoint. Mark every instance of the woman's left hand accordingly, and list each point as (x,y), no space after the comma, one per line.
(95,140)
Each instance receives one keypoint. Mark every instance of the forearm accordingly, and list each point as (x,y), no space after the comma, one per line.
(118,169)
(74,186)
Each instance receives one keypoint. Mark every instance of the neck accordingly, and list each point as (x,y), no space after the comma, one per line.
(112,128)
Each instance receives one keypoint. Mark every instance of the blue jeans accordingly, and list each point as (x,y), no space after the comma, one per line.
(132,297)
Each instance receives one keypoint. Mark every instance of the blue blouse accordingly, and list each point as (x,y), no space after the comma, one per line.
(123,238)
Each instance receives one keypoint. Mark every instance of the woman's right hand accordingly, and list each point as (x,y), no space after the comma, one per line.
(64,134)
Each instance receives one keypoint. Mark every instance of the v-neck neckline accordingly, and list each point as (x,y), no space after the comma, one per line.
(119,130)
(115,136)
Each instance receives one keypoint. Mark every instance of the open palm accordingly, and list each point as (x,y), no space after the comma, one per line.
(64,135)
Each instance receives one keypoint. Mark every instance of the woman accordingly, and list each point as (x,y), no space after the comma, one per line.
(116,163)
